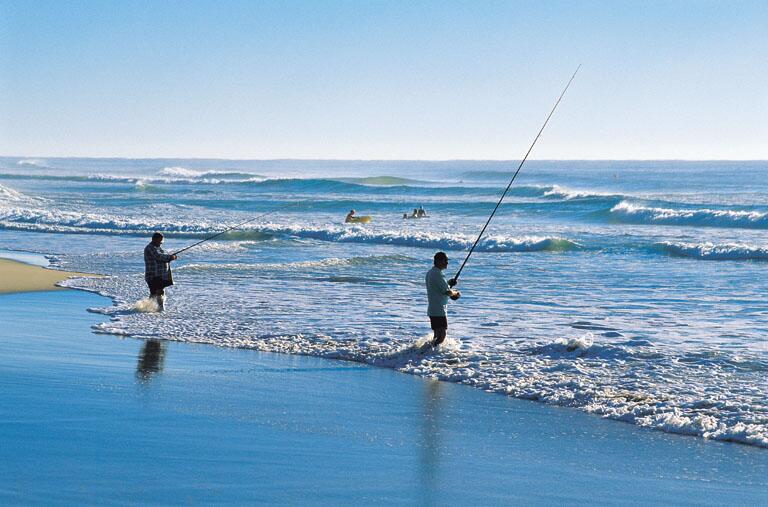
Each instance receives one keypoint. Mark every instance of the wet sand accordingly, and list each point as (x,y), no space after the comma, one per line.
(21,277)
(90,418)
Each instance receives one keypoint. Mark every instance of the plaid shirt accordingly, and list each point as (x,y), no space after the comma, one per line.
(156,263)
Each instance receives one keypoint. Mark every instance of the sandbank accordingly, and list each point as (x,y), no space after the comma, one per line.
(18,276)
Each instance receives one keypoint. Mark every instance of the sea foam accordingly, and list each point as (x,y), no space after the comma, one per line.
(678,391)
(717,252)
(632,213)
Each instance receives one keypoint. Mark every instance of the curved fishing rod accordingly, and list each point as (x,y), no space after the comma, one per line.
(453,281)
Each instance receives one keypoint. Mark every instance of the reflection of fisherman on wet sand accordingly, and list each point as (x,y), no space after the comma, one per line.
(431,444)
(157,269)
(151,359)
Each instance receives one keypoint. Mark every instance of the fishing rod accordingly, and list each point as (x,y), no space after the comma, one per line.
(453,281)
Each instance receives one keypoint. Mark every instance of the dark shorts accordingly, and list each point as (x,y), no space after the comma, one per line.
(438,322)
(156,286)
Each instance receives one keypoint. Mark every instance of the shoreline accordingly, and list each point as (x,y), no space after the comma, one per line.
(180,420)
(17,276)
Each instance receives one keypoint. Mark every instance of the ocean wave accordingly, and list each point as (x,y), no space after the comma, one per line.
(9,195)
(377,185)
(389,185)
(711,251)
(186,174)
(558,192)
(32,162)
(51,220)
(205,178)
(383,181)
(626,212)
(300,265)
(443,241)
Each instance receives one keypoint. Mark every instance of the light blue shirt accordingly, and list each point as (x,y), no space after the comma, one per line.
(437,292)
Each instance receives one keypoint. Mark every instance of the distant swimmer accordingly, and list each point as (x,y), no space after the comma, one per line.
(417,213)
(438,293)
(157,269)
(350,216)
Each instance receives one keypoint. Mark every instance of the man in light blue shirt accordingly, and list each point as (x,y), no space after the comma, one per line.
(438,293)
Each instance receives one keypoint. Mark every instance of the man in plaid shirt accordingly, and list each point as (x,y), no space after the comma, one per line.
(157,269)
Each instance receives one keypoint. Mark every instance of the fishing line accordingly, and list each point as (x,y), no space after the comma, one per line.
(453,281)
(237,226)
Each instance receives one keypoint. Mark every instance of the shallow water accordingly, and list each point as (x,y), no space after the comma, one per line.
(631,290)
(92,419)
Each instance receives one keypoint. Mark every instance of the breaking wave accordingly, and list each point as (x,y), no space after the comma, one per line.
(32,219)
(626,212)
(711,251)
(9,195)
(444,241)
(213,175)
(380,185)
(32,162)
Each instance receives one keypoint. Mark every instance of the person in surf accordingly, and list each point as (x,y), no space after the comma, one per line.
(157,269)
(438,292)
(350,216)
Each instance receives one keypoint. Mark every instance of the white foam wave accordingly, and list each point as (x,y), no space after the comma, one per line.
(632,213)
(53,220)
(35,162)
(182,172)
(558,192)
(711,251)
(445,241)
(9,195)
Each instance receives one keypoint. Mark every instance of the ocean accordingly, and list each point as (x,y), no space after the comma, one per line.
(632,290)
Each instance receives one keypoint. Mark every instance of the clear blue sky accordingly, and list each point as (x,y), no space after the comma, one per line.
(384,80)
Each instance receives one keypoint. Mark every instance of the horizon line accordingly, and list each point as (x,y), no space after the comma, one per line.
(302,159)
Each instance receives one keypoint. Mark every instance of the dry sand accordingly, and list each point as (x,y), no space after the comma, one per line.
(19,277)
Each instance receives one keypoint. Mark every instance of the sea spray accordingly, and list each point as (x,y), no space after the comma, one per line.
(147,305)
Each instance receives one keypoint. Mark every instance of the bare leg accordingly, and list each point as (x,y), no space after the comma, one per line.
(159,297)
(439,336)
